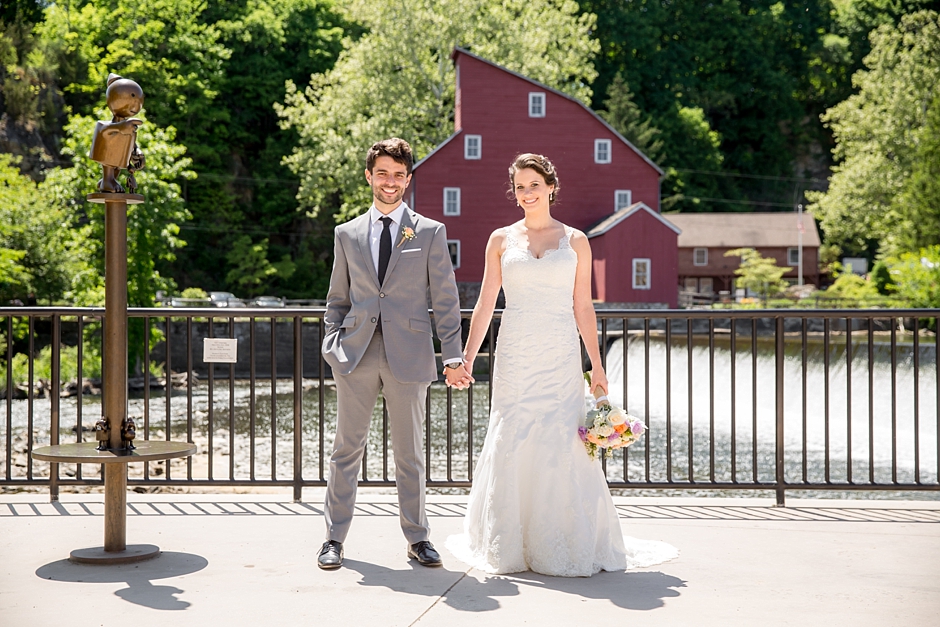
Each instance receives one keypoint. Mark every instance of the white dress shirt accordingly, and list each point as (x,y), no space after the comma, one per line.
(375,229)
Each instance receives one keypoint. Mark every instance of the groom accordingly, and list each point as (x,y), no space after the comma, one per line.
(378,336)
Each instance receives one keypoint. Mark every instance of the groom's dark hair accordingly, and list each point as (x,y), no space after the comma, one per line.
(397,149)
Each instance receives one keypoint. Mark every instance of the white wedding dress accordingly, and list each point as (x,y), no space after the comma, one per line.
(538,501)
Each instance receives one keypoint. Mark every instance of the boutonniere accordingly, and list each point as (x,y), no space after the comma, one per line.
(407,234)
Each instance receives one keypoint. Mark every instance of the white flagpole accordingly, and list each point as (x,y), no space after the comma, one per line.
(799,252)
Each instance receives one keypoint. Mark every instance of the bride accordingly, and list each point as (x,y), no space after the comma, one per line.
(538,502)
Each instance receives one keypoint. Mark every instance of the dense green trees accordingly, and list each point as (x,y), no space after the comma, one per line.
(884,193)
(272,103)
(736,87)
(40,256)
(212,73)
(721,71)
(398,79)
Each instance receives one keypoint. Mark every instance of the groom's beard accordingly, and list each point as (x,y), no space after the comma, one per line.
(381,197)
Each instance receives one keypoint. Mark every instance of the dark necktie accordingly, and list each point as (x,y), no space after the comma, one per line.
(385,248)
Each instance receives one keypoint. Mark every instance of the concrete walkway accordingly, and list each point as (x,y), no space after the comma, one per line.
(250,559)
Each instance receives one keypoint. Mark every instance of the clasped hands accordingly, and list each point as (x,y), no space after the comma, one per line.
(459,377)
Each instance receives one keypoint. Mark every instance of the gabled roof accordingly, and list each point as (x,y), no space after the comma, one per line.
(459,50)
(737,230)
(436,148)
(619,216)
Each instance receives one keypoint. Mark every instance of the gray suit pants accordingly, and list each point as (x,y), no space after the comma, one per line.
(356,395)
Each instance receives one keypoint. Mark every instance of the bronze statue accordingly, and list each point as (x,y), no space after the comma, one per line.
(128,433)
(102,433)
(114,145)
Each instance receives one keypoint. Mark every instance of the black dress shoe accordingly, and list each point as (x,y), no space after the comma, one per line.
(331,555)
(425,554)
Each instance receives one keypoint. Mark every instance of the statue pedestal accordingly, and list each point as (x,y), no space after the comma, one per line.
(115,549)
(117,456)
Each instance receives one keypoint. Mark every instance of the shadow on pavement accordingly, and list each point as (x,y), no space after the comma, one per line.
(641,591)
(138,577)
(629,590)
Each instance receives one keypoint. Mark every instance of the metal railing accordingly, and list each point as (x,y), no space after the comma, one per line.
(735,400)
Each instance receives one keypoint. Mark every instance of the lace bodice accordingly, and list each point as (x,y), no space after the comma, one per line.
(539,284)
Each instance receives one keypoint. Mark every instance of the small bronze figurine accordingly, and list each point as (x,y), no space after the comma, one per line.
(114,145)
(128,433)
(102,434)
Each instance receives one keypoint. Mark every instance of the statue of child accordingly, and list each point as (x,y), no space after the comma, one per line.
(114,145)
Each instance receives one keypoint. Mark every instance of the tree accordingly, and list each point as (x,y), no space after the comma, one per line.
(852,290)
(916,277)
(251,268)
(625,116)
(249,192)
(753,71)
(212,71)
(883,133)
(25,10)
(757,273)
(917,207)
(31,104)
(398,79)
(852,23)
(40,255)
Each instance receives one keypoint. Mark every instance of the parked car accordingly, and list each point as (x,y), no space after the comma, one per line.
(268,302)
(177,301)
(225,299)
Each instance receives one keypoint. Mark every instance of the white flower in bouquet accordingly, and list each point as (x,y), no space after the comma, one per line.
(604,431)
(616,416)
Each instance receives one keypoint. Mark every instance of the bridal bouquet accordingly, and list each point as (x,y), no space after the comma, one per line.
(609,427)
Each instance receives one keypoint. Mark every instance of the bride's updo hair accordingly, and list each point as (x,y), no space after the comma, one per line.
(540,164)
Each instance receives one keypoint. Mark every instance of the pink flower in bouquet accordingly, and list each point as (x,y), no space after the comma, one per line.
(637,428)
(582,433)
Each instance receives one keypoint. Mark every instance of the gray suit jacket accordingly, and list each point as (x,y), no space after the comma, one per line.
(417,268)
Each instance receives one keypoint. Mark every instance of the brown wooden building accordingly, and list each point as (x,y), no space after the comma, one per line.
(706,237)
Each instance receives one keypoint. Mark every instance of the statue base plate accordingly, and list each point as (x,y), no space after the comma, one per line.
(97,555)
(103,197)
(88,453)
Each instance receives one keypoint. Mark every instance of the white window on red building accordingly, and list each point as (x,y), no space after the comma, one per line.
(601,151)
(453,247)
(451,201)
(536,104)
(700,256)
(793,256)
(622,199)
(472,147)
(641,274)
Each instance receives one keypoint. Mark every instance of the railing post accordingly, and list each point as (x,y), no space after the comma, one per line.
(778,387)
(298,407)
(54,385)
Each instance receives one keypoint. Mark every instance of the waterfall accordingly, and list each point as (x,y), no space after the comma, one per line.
(758,376)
